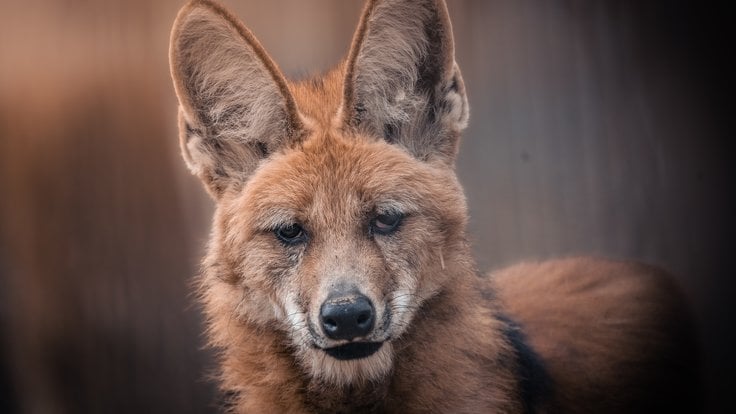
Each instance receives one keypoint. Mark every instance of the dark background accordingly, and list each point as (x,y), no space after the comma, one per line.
(597,127)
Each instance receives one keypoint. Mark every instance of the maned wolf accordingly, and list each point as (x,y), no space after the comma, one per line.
(338,276)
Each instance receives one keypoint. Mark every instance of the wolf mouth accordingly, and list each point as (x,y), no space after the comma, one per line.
(353,350)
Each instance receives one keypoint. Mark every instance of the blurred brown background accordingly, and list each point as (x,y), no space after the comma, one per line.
(597,127)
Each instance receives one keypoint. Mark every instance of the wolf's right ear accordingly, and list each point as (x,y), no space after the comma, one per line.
(235,106)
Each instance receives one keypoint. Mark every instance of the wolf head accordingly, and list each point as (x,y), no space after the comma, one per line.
(338,210)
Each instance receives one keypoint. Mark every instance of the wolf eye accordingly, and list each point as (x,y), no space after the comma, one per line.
(386,223)
(290,234)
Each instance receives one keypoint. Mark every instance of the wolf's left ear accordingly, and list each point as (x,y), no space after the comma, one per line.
(402,82)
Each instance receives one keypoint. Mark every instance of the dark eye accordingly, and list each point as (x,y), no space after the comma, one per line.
(291,234)
(386,223)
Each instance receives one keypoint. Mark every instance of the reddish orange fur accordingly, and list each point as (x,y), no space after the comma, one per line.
(613,335)
(603,336)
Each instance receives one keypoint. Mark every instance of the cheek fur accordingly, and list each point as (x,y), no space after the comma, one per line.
(416,262)
(264,272)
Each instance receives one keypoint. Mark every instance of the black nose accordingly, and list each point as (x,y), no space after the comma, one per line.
(347,317)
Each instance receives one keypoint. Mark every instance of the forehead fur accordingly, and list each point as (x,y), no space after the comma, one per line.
(332,180)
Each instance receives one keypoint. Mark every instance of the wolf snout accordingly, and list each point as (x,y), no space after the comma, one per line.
(347,316)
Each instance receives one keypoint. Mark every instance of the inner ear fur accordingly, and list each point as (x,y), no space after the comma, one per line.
(402,82)
(234,104)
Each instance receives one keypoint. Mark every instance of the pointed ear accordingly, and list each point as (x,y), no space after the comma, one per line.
(235,106)
(402,82)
